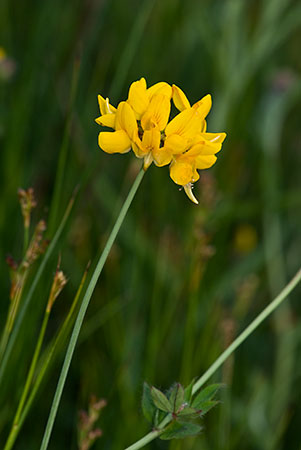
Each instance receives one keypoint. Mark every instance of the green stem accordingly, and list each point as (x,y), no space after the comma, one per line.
(11,316)
(83,308)
(60,173)
(249,330)
(127,57)
(222,358)
(45,364)
(33,286)
(15,427)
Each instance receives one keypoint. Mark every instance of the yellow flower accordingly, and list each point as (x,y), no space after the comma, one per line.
(141,123)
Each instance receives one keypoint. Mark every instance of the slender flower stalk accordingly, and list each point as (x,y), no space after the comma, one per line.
(83,309)
(222,358)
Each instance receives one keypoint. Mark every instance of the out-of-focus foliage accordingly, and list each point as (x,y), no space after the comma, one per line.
(182,280)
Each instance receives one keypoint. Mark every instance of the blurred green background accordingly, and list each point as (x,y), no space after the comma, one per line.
(182,280)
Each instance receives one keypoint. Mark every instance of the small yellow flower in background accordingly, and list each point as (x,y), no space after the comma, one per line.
(141,123)
(246,238)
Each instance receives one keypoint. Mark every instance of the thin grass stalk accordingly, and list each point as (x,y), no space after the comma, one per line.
(58,185)
(33,286)
(12,312)
(47,361)
(15,427)
(249,330)
(222,358)
(133,42)
(83,309)
(271,123)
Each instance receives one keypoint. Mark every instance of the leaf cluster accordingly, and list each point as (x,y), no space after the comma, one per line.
(178,402)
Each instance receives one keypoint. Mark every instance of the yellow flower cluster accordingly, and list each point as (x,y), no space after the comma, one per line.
(141,123)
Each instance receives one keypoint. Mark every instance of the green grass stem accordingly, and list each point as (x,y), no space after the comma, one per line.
(131,46)
(33,286)
(83,309)
(222,358)
(46,361)
(15,427)
(60,173)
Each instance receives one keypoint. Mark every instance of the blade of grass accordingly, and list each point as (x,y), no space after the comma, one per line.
(83,309)
(15,426)
(222,358)
(131,46)
(274,112)
(46,361)
(57,193)
(33,286)
(249,330)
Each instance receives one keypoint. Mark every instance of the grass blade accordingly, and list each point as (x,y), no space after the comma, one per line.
(83,309)
(33,286)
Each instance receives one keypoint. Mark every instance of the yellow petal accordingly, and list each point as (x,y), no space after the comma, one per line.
(162,156)
(151,139)
(176,144)
(180,100)
(216,138)
(205,161)
(181,171)
(187,124)
(203,148)
(160,88)
(104,106)
(107,120)
(157,113)
(207,144)
(195,176)
(203,106)
(114,142)
(126,120)
(138,97)
(138,150)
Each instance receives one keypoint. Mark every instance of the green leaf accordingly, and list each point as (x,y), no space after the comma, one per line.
(206,394)
(179,430)
(148,406)
(160,400)
(177,397)
(206,406)
(188,411)
(188,392)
